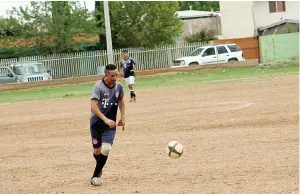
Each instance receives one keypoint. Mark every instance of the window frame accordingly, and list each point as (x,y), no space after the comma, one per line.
(272,3)
(224,48)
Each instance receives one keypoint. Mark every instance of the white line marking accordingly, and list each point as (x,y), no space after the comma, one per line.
(241,106)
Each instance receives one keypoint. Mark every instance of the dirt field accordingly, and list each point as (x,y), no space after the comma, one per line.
(238,138)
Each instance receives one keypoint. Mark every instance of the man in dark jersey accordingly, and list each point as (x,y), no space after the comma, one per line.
(107,96)
(129,65)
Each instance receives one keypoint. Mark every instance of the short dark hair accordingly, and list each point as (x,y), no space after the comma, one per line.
(109,67)
(125,51)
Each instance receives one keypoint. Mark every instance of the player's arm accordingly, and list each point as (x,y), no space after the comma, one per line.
(122,107)
(120,68)
(134,65)
(100,115)
(122,110)
(96,111)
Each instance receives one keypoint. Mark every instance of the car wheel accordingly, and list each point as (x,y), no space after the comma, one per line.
(193,64)
(232,60)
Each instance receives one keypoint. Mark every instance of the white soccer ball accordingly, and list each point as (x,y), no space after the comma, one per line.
(174,149)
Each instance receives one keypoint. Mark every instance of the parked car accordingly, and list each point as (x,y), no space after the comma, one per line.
(24,72)
(214,54)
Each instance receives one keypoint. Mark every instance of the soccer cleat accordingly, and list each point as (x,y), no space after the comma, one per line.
(95,181)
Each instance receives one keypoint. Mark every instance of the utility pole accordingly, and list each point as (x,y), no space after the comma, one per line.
(108,33)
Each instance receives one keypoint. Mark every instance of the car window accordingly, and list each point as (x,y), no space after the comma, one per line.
(222,50)
(4,72)
(208,52)
(196,52)
(17,70)
(234,48)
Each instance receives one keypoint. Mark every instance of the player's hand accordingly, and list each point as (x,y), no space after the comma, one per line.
(122,123)
(110,123)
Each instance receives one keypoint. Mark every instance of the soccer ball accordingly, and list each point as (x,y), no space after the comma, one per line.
(174,149)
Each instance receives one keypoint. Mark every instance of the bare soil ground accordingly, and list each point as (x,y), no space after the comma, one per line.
(238,138)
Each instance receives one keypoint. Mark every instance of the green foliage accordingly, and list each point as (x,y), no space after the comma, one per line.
(199,5)
(143,23)
(133,24)
(291,28)
(55,23)
(61,20)
(10,27)
(205,35)
(16,52)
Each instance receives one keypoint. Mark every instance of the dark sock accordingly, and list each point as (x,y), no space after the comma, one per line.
(100,162)
(132,94)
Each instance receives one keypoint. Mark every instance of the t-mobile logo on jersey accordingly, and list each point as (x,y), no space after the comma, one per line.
(105,103)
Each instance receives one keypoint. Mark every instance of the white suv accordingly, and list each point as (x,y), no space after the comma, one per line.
(221,53)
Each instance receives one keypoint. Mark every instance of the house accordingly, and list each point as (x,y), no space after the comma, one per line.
(252,18)
(194,21)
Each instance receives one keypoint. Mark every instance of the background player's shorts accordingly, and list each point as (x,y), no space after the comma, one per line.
(100,135)
(130,80)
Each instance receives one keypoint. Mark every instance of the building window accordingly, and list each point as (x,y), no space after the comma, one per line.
(276,6)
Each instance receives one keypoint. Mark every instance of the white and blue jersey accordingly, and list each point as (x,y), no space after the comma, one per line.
(128,67)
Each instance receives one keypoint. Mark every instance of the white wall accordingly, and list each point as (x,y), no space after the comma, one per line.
(236,19)
(263,17)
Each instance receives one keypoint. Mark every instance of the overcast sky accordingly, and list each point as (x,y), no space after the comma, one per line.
(7,5)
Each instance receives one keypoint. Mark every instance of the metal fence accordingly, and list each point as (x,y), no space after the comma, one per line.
(88,63)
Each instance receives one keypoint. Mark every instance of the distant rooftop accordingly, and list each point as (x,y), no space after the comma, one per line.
(187,14)
(279,23)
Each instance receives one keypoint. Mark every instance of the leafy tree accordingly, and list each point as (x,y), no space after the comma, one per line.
(10,27)
(142,24)
(55,23)
(199,5)
(204,35)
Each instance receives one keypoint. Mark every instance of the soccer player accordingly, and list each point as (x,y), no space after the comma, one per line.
(107,96)
(129,66)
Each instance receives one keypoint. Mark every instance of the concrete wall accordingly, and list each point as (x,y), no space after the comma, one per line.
(236,19)
(282,47)
(191,26)
(263,17)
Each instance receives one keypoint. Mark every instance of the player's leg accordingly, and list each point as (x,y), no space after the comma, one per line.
(127,81)
(132,93)
(97,142)
(101,154)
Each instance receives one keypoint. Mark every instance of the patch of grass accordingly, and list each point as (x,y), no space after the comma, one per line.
(195,77)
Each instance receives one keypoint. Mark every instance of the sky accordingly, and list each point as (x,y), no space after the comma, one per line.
(8,5)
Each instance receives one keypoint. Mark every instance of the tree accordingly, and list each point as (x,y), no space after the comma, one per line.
(204,35)
(10,27)
(55,23)
(144,23)
(61,20)
(199,5)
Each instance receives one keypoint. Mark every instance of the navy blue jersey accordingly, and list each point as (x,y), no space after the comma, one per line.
(128,67)
(108,98)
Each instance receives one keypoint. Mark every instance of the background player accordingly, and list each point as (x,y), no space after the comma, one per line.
(107,96)
(129,66)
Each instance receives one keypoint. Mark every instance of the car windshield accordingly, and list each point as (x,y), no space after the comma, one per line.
(34,68)
(196,52)
(17,70)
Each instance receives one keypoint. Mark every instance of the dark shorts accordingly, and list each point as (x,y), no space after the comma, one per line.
(102,134)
